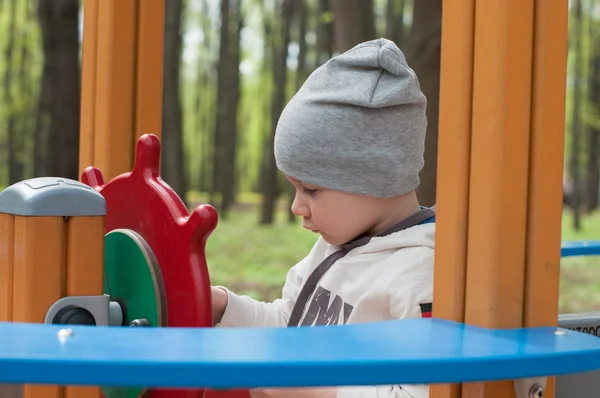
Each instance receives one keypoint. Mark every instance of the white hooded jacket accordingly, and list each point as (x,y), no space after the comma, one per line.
(391,277)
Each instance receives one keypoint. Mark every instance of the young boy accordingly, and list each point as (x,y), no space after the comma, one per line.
(351,142)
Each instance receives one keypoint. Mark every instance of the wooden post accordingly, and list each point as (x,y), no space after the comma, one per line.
(499,176)
(542,274)
(52,246)
(500,169)
(85,273)
(38,276)
(454,156)
(6,266)
(89,60)
(121,81)
(149,78)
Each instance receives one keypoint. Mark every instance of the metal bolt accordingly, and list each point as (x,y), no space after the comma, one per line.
(140,322)
(536,391)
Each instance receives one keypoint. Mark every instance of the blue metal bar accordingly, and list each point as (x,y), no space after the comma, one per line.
(580,248)
(392,352)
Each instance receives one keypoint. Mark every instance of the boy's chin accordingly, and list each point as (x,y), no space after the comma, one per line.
(336,241)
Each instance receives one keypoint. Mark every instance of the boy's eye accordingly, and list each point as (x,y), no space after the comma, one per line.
(310,192)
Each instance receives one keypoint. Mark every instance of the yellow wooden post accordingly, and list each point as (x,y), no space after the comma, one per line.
(89,60)
(454,143)
(121,81)
(85,272)
(39,257)
(6,265)
(500,161)
(52,245)
(542,276)
(150,44)
(499,172)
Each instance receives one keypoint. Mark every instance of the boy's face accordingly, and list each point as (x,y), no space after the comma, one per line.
(337,216)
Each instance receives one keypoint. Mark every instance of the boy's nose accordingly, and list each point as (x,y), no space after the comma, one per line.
(299,208)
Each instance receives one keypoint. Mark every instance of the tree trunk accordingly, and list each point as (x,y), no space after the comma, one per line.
(218,140)
(203,89)
(593,172)
(282,39)
(228,88)
(394,22)
(42,117)
(423,55)
(26,114)
(59,21)
(300,77)
(324,33)
(15,158)
(173,169)
(229,123)
(40,132)
(353,23)
(576,120)
(265,106)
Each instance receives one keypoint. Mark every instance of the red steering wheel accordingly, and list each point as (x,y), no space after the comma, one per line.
(142,202)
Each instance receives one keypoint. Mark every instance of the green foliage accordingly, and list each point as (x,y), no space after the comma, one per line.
(254,259)
(26,67)
(580,276)
(589,112)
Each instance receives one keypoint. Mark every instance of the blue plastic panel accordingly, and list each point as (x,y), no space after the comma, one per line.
(405,351)
(580,248)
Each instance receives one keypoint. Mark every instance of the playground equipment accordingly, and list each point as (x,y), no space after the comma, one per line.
(148,270)
(501,135)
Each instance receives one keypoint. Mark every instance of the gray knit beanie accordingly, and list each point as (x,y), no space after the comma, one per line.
(357,124)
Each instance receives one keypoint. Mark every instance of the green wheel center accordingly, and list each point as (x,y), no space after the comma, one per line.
(132,277)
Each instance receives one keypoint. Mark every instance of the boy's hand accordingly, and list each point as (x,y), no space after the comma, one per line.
(219,303)
(294,393)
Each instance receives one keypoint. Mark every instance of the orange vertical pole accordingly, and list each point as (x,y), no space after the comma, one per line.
(499,176)
(499,186)
(89,60)
(149,88)
(39,256)
(454,143)
(6,266)
(545,174)
(85,273)
(85,256)
(115,87)
(122,81)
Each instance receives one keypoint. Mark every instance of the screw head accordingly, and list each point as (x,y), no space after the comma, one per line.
(64,334)
(140,322)
(536,391)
